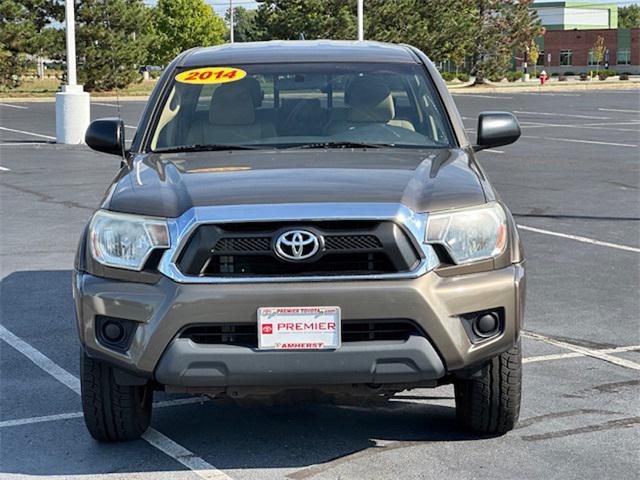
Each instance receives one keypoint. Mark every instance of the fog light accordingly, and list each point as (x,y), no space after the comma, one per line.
(486,325)
(483,324)
(113,331)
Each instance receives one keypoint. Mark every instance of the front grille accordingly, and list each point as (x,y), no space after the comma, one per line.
(246,334)
(243,244)
(242,334)
(347,248)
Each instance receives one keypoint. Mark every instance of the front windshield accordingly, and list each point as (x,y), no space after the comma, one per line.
(314,105)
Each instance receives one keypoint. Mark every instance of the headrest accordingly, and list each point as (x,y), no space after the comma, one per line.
(253,85)
(231,104)
(369,100)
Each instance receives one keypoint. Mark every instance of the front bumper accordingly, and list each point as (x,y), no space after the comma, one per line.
(434,302)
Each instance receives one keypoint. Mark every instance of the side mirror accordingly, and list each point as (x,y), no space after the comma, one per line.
(106,135)
(496,129)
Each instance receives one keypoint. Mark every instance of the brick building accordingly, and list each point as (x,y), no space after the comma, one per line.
(571,50)
(571,30)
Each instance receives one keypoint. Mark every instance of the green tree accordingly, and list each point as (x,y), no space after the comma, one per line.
(313,19)
(501,27)
(25,33)
(112,40)
(245,25)
(183,24)
(442,29)
(629,16)
(599,50)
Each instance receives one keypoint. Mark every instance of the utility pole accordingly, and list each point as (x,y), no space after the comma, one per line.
(360,20)
(231,20)
(72,103)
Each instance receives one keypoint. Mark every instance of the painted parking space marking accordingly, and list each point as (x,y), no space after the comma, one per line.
(560,115)
(41,360)
(13,106)
(45,418)
(501,97)
(13,130)
(105,104)
(573,140)
(589,352)
(579,238)
(71,415)
(131,126)
(585,126)
(198,465)
(562,356)
(612,123)
(4,169)
(619,110)
(548,94)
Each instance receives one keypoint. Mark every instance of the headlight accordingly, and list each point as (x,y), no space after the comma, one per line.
(125,241)
(470,234)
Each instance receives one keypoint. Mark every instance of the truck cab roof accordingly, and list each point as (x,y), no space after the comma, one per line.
(280,51)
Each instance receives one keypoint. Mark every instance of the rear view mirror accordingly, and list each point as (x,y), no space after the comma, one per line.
(106,135)
(496,129)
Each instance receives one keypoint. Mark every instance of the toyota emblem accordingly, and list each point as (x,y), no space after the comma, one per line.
(297,245)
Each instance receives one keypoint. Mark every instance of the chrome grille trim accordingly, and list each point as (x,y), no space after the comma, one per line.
(181,228)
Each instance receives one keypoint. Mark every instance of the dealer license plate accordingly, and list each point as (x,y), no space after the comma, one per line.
(298,328)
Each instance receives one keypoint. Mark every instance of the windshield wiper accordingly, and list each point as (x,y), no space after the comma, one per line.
(216,147)
(342,145)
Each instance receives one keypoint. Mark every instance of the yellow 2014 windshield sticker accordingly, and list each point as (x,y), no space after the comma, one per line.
(211,75)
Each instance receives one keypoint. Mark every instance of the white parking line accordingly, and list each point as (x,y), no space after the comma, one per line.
(580,239)
(478,96)
(198,465)
(612,123)
(547,94)
(163,443)
(492,150)
(560,356)
(131,126)
(105,104)
(599,354)
(13,106)
(4,169)
(43,419)
(28,133)
(592,142)
(572,140)
(585,126)
(42,361)
(619,110)
(560,115)
(24,144)
(67,416)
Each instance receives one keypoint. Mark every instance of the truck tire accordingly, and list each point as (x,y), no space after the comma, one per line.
(489,402)
(112,412)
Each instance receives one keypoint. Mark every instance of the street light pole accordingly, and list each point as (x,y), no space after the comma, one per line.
(70,25)
(72,103)
(360,20)
(231,20)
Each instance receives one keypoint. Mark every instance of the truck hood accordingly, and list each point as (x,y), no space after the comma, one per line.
(167,185)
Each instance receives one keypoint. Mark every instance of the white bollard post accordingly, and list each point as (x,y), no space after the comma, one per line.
(73,105)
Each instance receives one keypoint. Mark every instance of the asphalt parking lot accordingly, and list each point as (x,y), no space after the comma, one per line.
(572,181)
